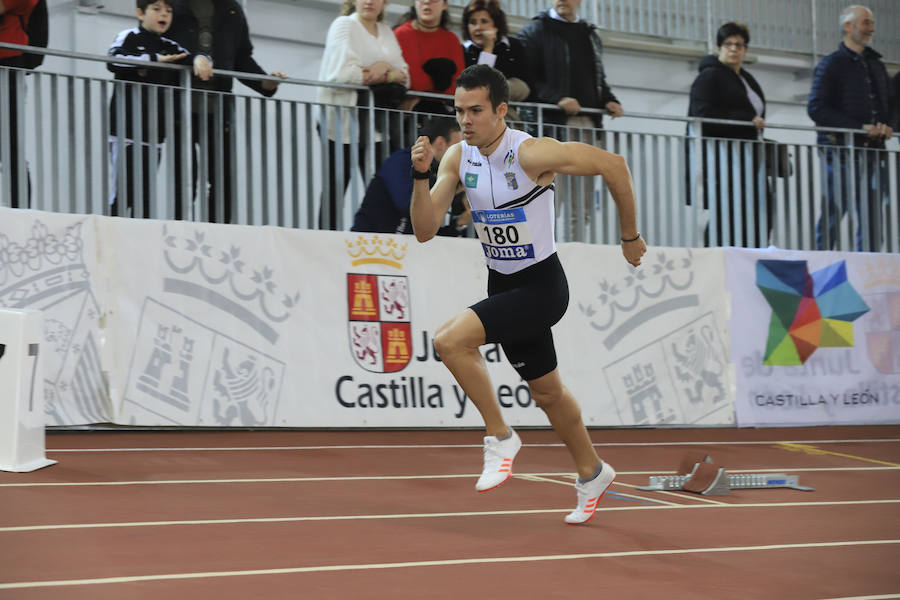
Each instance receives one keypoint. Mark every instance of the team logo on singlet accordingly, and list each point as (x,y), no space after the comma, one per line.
(509,159)
(511,182)
(380,328)
(471,180)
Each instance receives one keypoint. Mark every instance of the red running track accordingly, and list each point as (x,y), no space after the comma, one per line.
(375,515)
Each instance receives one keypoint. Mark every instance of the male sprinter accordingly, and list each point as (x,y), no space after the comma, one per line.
(508,176)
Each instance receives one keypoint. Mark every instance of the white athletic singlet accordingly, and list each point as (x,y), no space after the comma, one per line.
(513,216)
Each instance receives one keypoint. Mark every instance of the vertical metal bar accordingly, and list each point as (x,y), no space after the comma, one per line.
(167,206)
(186,133)
(6,149)
(202,211)
(137,150)
(294,168)
(279,164)
(252,204)
(40,169)
(88,146)
(73,152)
(152,150)
(310,189)
(122,191)
(268,213)
(219,190)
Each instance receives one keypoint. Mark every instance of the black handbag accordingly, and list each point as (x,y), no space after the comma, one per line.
(778,159)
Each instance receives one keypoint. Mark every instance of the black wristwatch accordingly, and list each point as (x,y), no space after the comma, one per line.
(419,174)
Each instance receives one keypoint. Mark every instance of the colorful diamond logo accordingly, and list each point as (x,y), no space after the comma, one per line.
(808,311)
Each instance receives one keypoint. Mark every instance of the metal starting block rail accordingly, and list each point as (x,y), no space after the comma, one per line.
(723,482)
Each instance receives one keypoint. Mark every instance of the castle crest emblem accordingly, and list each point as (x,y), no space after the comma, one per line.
(379,327)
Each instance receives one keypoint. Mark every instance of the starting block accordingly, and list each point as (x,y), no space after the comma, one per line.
(709,479)
(21,392)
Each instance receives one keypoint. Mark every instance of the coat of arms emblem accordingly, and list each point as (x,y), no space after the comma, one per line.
(379,321)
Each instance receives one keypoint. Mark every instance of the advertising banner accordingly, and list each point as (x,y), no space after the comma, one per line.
(48,262)
(815,337)
(192,324)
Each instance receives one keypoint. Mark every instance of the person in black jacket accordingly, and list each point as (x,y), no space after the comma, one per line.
(566,57)
(487,41)
(216,29)
(144,42)
(850,90)
(725,90)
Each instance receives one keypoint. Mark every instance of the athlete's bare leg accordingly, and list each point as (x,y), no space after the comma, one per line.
(557,401)
(457,342)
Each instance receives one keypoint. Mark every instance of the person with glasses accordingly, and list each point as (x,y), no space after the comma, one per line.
(725,90)
(432,51)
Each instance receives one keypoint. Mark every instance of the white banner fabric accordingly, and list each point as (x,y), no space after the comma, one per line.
(815,337)
(219,325)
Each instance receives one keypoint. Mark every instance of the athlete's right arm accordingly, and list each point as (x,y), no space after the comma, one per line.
(428,206)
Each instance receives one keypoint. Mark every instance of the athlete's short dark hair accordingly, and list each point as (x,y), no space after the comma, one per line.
(731,29)
(435,127)
(484,76)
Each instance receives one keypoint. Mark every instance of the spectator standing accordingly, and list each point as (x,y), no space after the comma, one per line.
(432,51)
(725,90)
(851,90)
(486,41)
(565,54)
(385,207)
(144,42)
(14,19)
(215,32)
(359,49)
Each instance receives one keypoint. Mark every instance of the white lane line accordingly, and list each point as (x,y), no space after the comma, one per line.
(439,446)
(881,597)
(696,497)
(441,563)
(569,485)
(402,477)
(65,526)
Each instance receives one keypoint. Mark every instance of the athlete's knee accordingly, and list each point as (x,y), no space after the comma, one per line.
(447,341)
(548,398)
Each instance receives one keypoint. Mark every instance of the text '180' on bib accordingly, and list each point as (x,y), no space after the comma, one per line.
(504,233)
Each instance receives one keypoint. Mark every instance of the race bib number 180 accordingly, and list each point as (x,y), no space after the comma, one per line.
(504,234)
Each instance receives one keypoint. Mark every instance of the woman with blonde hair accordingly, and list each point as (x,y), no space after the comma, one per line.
(359,49)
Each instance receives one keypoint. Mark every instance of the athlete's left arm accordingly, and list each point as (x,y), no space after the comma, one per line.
(540,157)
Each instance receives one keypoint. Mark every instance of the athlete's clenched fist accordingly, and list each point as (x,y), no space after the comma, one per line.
(422,154)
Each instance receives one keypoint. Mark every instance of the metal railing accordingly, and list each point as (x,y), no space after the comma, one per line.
(802,26)
(264,161)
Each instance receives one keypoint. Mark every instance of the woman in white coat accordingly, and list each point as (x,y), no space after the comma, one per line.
(359,49)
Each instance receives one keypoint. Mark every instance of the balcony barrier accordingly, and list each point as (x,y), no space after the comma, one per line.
(270,162)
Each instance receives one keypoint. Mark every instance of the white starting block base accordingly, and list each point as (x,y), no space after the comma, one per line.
(21,392)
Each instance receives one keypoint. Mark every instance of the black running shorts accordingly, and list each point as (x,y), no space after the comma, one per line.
(520,310)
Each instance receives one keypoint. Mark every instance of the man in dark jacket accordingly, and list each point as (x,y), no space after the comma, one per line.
(566,55)
(14,16)
(850,90)
(217,29)
(385,207)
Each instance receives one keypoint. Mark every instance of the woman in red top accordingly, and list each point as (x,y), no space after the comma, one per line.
(433,53)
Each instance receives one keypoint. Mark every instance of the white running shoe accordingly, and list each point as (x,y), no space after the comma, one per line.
(589,494)
(498,459)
